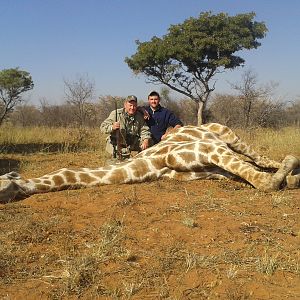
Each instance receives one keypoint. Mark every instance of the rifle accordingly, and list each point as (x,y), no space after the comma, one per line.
(117,146)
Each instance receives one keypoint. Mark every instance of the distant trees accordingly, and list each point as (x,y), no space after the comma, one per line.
(79,94)
(249,105)
(257,105)
(107,104)
(53,115)
(13,83)
(26,115)
(225,108)
(252,106)
(188,57)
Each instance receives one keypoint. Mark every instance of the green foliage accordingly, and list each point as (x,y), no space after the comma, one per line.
(191,53)
(13,82)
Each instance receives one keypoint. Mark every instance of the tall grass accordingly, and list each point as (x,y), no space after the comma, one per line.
(274,143)
(69,138)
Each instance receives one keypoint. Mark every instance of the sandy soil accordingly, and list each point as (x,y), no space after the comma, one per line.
(159,240)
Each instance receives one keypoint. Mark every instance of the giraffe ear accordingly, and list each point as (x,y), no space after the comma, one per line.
(11,175)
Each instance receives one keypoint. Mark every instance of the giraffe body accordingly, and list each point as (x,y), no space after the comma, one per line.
(210,151)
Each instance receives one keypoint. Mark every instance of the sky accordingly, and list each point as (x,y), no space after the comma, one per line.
(57,40)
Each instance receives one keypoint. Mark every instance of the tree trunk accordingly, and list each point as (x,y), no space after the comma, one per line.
(200,105)
(3,115)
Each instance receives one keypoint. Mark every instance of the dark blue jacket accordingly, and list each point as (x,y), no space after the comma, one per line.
(159,122)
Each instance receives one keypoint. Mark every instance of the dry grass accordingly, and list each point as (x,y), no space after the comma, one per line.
(65,139)
(274,143)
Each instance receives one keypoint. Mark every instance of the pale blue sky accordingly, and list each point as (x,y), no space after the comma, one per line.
(57,39)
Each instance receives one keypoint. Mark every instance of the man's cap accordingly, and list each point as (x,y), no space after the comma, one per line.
(131,98)
(153,93)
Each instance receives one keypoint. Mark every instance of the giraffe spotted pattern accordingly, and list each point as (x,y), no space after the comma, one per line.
(210,151)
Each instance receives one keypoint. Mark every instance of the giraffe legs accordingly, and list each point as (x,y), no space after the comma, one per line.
(213,173)
(260,180)
(234,142)
(260,160)
(237,145)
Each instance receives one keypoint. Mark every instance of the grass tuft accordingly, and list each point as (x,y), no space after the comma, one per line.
(268,264)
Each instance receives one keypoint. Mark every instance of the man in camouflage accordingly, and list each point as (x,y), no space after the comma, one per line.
(127,129)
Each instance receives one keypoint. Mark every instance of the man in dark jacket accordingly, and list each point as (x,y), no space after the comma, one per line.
(160,118)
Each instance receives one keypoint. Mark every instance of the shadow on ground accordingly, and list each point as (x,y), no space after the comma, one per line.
(8,165)
(37,147)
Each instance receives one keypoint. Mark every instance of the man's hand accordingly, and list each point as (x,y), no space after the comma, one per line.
(116,125)
(164,136)
(169,131)
(144,112)
(145,144)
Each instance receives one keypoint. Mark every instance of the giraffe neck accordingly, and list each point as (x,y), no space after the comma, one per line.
(137,170)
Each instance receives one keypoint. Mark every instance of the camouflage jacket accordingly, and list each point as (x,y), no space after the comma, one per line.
(130,126)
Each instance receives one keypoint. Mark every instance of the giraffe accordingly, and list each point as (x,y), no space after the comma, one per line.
(210,151)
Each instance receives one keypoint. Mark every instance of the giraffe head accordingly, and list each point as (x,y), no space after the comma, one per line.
(9,189)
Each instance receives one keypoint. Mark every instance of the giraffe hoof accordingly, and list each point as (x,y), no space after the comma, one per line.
(292,182)
(288,165)
(293,179)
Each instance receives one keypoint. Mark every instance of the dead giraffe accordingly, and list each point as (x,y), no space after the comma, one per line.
(188,153)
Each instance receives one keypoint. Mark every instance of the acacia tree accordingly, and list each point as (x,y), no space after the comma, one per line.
(13,83)
(188,57)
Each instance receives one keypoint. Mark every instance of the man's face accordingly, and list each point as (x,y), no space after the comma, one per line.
(130,107)
(153,101)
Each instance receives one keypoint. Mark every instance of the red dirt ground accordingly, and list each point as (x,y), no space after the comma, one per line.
(159,240)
